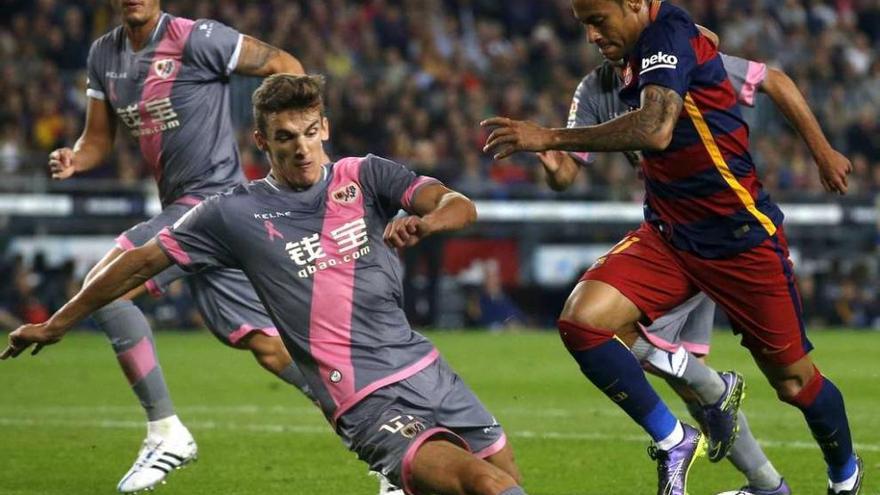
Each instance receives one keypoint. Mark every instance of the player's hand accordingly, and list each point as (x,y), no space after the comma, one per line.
(42,334)
(833,169)
(61,163)
(553,160)
(511,136)
(406,231)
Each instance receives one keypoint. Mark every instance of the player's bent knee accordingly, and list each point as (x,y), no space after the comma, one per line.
(581,337)
(800,391)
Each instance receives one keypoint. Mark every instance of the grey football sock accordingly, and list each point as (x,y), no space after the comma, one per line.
(749,459)
(295,377)
(703,380)
(132,340)
(513,491)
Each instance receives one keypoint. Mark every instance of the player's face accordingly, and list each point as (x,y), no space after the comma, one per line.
(612,26)
(294,140)
(137,12)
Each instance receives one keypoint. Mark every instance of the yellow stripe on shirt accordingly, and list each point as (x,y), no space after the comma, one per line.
(718,159)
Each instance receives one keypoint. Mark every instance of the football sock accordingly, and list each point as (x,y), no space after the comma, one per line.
(703,380)
(611,367)
(292,375)
(164,427)
(131,338)
(822,405)
(673,438)
(746,455)
(513,491)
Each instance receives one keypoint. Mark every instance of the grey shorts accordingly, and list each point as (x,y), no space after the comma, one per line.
(688,325)
(387,428)
(225,298)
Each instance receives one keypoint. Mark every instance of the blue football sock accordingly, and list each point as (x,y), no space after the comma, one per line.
(617,373)
(822,405)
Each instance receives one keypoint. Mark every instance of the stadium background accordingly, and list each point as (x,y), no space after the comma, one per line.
(410,80)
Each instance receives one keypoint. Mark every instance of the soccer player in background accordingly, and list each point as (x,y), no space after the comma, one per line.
(318,240)
(708,227)
(166,79)
(674,345)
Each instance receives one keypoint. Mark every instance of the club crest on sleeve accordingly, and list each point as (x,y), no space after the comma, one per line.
(346,194)
(164,68)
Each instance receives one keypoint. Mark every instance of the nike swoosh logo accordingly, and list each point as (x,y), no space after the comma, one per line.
(768,352)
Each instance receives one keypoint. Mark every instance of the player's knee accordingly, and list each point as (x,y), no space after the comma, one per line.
(800,390)
(580,337)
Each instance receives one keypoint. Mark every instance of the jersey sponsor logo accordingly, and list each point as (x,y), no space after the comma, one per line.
(659,60)
(164,67)
(351,242)
(161,112)
(346,194)
(207,29)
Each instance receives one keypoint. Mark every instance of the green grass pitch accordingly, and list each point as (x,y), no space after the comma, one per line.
(69,424)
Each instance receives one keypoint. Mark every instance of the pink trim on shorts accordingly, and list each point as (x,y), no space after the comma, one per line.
(245,329)
(167,241)
(153,288)
(698,349)
(406,464)
(124,243)
(158,86)
(494,448)
(755,75)
(188,200)
(138,361)
(388,380)
(583,156)
(333,290)
(406,199)
(657,341)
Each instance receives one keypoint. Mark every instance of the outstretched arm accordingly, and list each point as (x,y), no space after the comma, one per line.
(833,166)
(648,128)
(436,208)
(128,271)
(262,59)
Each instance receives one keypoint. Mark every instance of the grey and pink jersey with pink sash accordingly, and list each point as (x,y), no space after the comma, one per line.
(595,100)
(172,96)
(318,263)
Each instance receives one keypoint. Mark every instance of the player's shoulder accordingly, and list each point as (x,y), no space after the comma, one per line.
(672,18)
(107,43)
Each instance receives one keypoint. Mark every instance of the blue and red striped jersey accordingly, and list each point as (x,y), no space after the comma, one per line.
(702,191)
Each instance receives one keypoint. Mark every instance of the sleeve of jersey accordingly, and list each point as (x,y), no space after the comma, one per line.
(393,183)
(94,83)
(194,241)
(584,112)
(214,47)
(666,56)
(745,76)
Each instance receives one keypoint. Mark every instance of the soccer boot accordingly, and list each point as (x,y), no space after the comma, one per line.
(673,465)
(385,486)
(858,486)
(782,489)
(719,420)
(157,458)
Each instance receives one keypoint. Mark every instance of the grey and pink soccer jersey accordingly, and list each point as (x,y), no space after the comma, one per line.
(319,265)
(595,101)
(172,96)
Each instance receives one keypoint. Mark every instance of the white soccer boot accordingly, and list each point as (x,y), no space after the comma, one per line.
(159,455)
(385,486)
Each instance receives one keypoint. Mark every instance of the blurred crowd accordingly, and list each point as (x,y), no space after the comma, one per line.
(410,79)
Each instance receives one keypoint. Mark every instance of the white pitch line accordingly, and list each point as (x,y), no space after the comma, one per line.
(278,428)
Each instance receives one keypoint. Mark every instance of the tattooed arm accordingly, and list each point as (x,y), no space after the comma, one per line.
(261,59)
(648,128)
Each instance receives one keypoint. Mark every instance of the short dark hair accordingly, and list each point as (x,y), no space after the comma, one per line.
(281,92)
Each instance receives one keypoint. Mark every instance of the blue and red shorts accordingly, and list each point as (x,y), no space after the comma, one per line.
(756,288)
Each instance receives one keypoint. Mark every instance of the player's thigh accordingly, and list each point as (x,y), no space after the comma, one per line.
(639,276)
(230,306)
(758,292)
(441,466)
